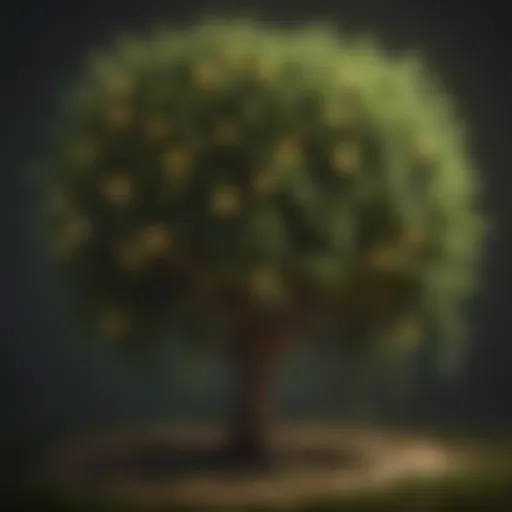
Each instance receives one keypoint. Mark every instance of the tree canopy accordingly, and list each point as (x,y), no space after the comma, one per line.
(201,171)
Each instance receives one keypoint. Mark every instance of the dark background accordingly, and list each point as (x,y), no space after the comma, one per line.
(47,379)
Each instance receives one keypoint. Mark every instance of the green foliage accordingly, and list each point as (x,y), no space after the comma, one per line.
(199,168)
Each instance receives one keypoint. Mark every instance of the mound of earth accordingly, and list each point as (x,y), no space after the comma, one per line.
(165,465)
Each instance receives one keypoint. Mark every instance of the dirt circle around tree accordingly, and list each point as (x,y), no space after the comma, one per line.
(163,465)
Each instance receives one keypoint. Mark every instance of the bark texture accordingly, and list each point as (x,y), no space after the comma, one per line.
(257,354)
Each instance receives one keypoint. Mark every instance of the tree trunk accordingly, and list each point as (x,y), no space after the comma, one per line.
(256,355)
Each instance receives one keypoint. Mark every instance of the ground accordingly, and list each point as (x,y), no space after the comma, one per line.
(169,467)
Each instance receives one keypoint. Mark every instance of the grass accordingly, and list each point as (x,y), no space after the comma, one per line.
(485,486)
(468,494)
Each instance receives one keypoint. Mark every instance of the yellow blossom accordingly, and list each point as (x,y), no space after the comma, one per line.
(263,283)
(423,150)
(407,332)
(155,239)
(117,189)
(156,128)
(204,75)
(382,257)
(176,162)
(226,201)
(412,238)
(335,114)
(225,132)
(346,158)
(120,84)
(287,151)
(232,56)
(114,324)
(266,71)
(346,77)
(118,117)
(263,182)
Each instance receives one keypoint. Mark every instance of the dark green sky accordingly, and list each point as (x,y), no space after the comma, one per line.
(44,377)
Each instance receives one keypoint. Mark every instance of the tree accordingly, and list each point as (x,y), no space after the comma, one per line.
(265,181)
